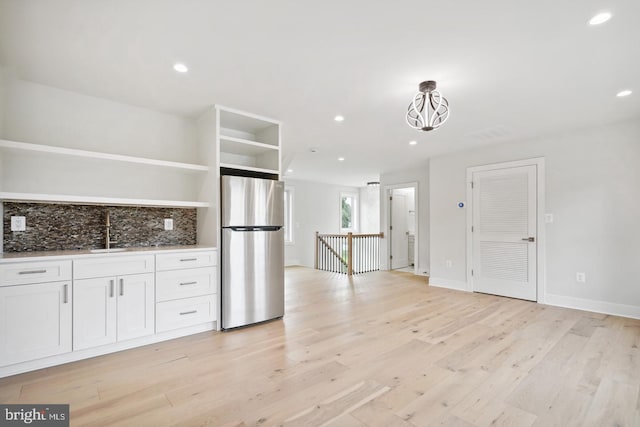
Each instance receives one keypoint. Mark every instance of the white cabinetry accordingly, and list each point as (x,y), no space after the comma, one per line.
(248,142)
(35,312)
(110,308)
(186,289)
(57,310)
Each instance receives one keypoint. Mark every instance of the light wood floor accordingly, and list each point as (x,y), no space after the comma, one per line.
(383,349)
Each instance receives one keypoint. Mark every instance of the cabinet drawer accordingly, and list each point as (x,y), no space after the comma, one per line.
(112,266)
(185,312)
(186,283)
(179,260)
(21,273)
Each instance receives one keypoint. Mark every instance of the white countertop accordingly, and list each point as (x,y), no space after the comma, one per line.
(81,253)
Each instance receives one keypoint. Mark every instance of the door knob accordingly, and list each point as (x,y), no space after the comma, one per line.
(529,239)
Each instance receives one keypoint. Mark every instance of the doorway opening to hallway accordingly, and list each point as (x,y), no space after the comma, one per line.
(403,232)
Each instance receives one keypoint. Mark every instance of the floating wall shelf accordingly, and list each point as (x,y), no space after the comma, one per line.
(14,145)
(90,200)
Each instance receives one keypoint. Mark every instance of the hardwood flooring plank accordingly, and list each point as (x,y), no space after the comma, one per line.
(485,403)
(335,407)
(614,404)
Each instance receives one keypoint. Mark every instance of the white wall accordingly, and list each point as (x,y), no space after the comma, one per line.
(2,107)
(45,115)
(592,179)
(316,207)
(420,176)
(370,210)
(2,99)
(209,184)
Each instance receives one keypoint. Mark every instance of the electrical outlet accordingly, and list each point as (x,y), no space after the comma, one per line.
(581,277)
(168,224)
(448,263)
(18,223)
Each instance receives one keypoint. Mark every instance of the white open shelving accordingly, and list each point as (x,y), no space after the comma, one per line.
(244,147)
(24,146)
(115,192)
(248,142)
(91,200)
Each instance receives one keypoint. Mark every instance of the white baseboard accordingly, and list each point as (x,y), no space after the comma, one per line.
(292,262)
(458,285)
(612,308)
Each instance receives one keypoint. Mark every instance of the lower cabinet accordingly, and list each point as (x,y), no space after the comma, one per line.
(51,308)
(35,321)
(111,309)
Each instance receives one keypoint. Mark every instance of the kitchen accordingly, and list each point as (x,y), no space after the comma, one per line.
(118,250)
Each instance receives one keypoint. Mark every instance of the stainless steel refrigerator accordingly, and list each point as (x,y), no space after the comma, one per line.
(252,213)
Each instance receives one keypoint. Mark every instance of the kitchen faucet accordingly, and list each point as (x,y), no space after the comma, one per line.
(108,240)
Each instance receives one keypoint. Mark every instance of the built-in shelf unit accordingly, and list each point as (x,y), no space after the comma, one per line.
(248,142)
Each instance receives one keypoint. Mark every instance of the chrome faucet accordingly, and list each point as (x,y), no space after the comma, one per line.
(108,240)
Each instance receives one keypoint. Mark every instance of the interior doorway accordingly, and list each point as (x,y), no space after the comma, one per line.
(403,230)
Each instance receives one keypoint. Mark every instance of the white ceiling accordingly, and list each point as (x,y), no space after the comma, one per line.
(511,70)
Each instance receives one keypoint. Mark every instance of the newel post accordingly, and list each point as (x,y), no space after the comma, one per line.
(350,254)
(315,258)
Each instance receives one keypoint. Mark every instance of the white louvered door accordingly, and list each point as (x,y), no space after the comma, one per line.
(504,232)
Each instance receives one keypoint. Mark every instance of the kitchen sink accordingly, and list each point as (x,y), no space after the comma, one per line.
(107,251)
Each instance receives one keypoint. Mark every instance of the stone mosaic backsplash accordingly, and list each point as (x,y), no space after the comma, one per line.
(53,227)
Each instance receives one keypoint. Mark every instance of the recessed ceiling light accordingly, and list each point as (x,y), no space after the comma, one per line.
(289,170)
(338,118)
(600,18)
(623,93)
(413,142)
(341,159)
(181,68)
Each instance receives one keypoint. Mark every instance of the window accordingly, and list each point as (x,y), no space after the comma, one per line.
(348,212)
(288,215)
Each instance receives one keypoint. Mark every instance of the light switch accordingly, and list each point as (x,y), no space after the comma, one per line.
(18,223)
(548,218)
(168,224)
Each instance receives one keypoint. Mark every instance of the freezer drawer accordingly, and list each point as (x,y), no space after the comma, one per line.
(252,276)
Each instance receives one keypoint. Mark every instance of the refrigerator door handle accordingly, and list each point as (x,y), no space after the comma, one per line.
(263,228)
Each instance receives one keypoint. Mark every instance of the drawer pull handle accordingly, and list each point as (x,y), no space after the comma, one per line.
(188,259)
(121,287)
(188,283)
(32,272)
(111,286)
(66,294)
(184,313)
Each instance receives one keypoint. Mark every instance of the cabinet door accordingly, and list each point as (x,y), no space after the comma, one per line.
(35,321)
(94,312)
(136,304)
